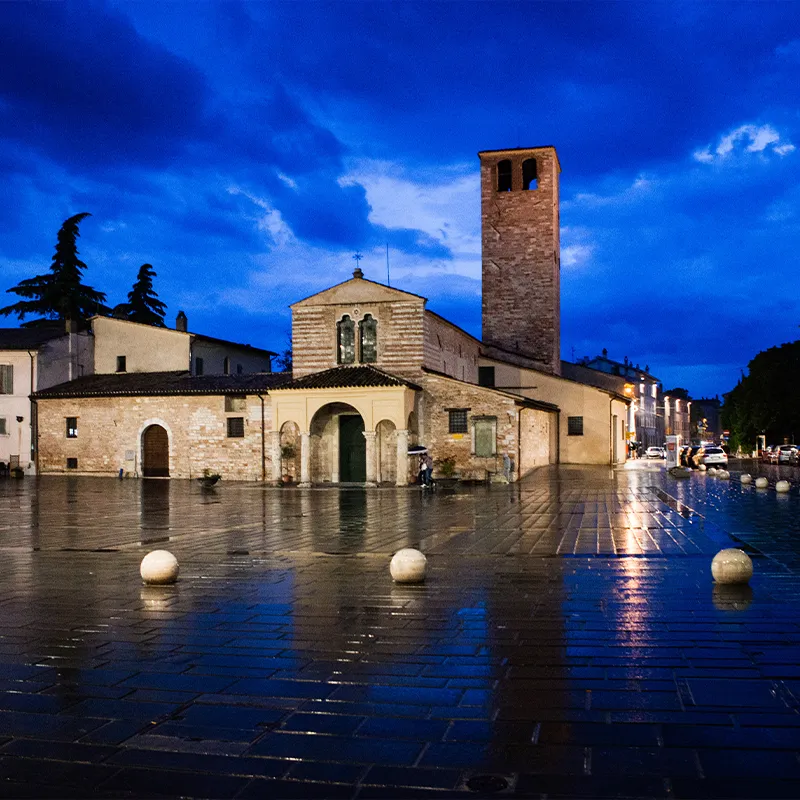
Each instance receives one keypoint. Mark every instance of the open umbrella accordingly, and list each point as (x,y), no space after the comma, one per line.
(417,449)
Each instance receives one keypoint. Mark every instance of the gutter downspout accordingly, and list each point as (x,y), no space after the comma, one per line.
(263,445)
(558,437)
(34,421)
(611,432)
(519,442)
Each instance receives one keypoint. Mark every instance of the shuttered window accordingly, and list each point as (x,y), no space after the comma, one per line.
(6,379)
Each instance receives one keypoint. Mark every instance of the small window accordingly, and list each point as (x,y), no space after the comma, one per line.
(235,402)
(198,366)
(574,426)
(504,175)
(238,369)
(122,364)
(485,437)
(346,340)
(3,426)
(368,333)
(72,428)
(226,366)
(6,379)
(72,463)
(235,427)
(486,376)
(458,420)
(529,176)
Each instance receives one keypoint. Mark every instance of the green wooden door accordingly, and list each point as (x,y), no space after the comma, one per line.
(352,449)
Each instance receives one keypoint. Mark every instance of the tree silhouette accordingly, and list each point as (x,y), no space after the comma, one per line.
(59,294)
(143,304)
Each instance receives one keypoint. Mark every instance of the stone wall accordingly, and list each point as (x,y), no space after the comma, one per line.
(442,394)
(400,335)
(521,258)
(110,435)
(537,439)
(450,350)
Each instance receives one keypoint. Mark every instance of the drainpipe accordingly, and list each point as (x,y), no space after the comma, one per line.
(263,445)
(33,421)
(519,442)
(558,436)
(611,432)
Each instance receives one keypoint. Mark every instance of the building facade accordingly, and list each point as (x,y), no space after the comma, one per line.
(375,373)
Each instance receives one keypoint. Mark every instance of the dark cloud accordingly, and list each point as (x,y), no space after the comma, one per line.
(78,83)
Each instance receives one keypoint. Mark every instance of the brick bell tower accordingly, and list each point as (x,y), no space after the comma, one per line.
(521,255)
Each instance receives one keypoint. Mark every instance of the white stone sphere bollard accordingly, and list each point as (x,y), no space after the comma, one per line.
(746,478)
(702,468)
(408,566)
(783,486)
(712,470)
(159,567)
(723,474)
(732,566)
(762,483)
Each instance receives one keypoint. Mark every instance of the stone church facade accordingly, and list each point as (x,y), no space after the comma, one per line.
(374,372)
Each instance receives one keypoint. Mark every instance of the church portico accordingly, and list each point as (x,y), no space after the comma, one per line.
(352,424)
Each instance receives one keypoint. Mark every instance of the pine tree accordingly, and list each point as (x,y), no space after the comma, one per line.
(59,294)
(143,304)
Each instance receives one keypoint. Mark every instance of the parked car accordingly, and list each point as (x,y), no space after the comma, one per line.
(715,457)
(785,453)
(770,454)
(655,452)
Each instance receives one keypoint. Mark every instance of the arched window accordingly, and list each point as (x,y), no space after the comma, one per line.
(504,175)
(529,176)
(226,366)
(368,334)
(346,340)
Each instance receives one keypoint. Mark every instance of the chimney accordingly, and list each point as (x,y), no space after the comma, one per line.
(181,323)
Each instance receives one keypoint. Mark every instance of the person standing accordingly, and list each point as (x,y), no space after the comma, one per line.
(428,469)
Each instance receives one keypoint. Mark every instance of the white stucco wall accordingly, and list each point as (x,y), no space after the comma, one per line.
(145,347)
(596,407)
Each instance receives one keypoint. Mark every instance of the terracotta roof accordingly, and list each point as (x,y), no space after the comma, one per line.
(133,384)
(29,338)
(364,375)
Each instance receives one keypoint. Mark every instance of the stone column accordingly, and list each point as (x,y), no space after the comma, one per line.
(275,451)
(402,458)
(305,460)
(372,458)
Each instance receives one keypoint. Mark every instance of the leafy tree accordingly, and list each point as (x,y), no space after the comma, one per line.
(143,304)
(767,399)
(59,294)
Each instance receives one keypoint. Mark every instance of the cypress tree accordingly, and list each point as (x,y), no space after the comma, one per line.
(143,304)
(59,294)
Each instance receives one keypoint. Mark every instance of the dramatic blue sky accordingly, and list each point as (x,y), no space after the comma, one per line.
(247,150)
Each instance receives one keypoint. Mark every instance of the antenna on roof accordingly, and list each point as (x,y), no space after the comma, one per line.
(388,281)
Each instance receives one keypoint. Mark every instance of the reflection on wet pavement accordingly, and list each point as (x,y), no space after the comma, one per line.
(568,642)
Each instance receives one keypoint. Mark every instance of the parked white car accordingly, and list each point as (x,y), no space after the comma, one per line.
(655,452)
(715,457)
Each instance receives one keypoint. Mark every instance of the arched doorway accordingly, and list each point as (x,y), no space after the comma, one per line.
(338,447)
(155,452)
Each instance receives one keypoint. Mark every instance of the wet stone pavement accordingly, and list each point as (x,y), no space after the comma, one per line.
(569,640)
